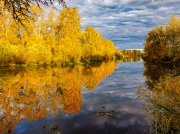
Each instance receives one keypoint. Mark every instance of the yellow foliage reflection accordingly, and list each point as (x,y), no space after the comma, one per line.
(162,105)
(153,71)
(162,97)
(34,93)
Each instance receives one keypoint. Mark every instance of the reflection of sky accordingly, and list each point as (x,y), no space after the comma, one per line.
(116,93)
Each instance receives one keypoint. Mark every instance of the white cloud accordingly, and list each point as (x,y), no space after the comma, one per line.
(129,19)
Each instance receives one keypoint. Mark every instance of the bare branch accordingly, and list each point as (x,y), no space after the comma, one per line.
(21,9)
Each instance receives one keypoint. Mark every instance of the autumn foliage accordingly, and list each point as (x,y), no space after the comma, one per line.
(51,39)
(162,72)
(162,43)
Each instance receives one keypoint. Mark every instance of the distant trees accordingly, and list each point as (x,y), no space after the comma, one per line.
(48,39)
(163,43)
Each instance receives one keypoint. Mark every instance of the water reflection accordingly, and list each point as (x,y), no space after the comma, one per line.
(64,100)
(35,93)
(162,97)
(132,59)
(153,71)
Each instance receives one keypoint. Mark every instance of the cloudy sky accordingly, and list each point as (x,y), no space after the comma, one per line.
(125,22)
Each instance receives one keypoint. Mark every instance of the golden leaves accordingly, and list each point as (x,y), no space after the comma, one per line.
(52,39)
(162,44)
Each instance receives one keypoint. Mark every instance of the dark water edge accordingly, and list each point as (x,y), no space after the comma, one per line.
(116,94)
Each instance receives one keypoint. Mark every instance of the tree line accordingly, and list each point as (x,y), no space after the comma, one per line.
(51,39)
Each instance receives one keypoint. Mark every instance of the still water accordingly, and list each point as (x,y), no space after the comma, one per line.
(87,99)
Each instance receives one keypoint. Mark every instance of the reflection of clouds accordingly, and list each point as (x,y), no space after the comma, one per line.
(126,120)
(128,74)
(127,110)
(125,18)
(116,93)
(119,97)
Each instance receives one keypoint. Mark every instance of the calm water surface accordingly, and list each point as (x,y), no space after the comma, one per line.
(73,100)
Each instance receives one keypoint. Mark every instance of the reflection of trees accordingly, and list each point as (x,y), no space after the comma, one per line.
(153,71)
(132,58)
(34,93)
(162,105)
(92,76)
(162,97)
(161,55)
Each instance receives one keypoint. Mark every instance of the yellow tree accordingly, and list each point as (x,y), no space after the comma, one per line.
(49,26)
(10,38)
(109,49)
(68,24)
(36,50)
(173,38)
(162,44)
(93,39)
(68,28)
(155,44)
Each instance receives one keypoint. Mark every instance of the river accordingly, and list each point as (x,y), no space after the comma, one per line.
(73,100)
